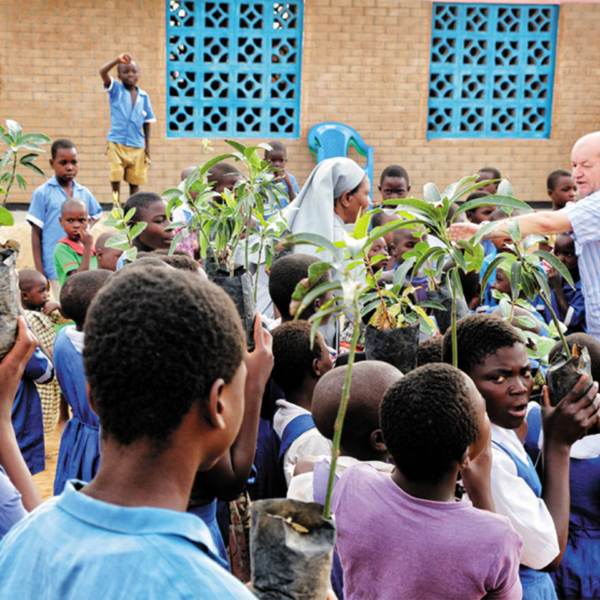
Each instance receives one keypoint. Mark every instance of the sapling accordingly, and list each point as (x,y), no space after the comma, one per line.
(126,233)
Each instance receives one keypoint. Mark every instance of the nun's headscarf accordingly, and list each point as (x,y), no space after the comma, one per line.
(312,210)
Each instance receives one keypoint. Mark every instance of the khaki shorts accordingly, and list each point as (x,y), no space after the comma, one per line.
(127,163)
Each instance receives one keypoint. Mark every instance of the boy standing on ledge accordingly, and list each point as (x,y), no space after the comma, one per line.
(131,113)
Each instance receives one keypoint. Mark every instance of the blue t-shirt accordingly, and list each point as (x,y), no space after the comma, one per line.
(126,121)
(27,419)
(44,211)
(74,546)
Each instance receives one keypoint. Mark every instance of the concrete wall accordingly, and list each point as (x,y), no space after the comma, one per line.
(365,63)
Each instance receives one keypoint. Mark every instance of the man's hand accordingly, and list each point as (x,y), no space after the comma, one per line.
(463,231)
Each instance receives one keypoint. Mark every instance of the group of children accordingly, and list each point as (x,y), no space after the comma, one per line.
(172,426)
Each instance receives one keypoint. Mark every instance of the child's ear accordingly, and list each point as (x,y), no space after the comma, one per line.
(465,459)
(24,296)
(408,188)
(377,442)
(316,369)
(51,161)
(213,409)
(379,188)
(550,192)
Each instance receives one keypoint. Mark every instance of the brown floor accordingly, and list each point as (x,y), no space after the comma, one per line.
(45,479)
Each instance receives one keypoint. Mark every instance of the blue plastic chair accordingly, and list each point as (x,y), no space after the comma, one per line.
(328,140)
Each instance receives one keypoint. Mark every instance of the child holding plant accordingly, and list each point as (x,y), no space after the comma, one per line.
(493,354)
(277,156)
(404,535)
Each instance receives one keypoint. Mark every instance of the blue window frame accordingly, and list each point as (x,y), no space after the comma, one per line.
(491,70)
(234,68)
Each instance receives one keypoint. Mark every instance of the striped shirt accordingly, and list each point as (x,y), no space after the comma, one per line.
(584,216)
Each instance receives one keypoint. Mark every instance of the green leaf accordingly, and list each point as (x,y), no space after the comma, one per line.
(317,270)
(236,146)
(413,205)
(35,138)
(432,304)
(484,231)
(542,282)
(6,158)
(6,219)
(533,239)
(514,230)
(21,181)
(515,279)
(431,193)
(33,167)
(459,259)
(362,225)
(499,260)
(315,293)
(137,229)
(129,215)
(505,188)
(451,190)
(118,242)
(402,270)
(213,161)
(466,246)
(313,239)
(495,200)
(131,253)
(175,241)
(14,130)
(554,262)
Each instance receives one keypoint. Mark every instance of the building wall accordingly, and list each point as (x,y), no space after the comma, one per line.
(365,63)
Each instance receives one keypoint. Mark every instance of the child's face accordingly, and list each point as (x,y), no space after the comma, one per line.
(227,182)
(129,74)
(107,257)
(74,221)
(503,244)
(394,187)
(483,213)
(564,191)
(155,236)
(490,188)
(37,295)
(65,164)
(505,382)
(379,247)
(278,160)
(564,250)
(502,283)
(405,240)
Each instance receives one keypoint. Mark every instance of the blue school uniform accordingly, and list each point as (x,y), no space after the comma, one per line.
(575,317)
(44,211)
(11,507)
(26,413)
(537,585)
(79,454)
(74,546)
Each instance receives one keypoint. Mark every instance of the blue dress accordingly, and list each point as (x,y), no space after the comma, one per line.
(79,454)
(537,585)
(579,573)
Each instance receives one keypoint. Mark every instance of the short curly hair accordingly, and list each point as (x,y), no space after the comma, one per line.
(78,292)
(156,340)
(293,354)
(140,201)
(428,420)
(478,336)
(430,350)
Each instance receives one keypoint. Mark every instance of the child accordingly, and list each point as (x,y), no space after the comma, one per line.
(488,174)
(107,257)
(430,350)
(404,535)
(223,176)
(394,183)
(126,533)
(45,208)
(42,314)
(79,453)
(296,370)
(481,213)
(493,354)
(131,113)
(561,188)
(567,302)
(404,240)
(379,248)
(74,253)
(277,156)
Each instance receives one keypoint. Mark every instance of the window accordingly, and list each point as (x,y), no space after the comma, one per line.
(491,71)
(233,68)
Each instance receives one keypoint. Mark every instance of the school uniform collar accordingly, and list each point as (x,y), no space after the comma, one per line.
(509,439)
(75,246)
(54,183)
(139,520)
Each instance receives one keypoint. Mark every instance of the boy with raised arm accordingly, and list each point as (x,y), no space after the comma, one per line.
(131,113)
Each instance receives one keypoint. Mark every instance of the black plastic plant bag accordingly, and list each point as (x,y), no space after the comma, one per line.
(291,550)
(239,288)
(443,318)
(563,373)
(9,296)
(397,347)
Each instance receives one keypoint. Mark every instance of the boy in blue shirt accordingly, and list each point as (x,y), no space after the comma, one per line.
(131,113)
(46,204)
(126,534)
(277,156)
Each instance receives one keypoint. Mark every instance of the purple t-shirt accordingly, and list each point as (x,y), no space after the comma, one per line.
(395,546)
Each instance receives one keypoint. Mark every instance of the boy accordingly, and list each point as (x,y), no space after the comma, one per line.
(569,302)
(561,188)
(126,533)
(493,354)
(277,156)
(394,183)
(45,208)
(482,213)
(42,314)
(404,240)
(404,535)
(79,453)
(107,257)
(131,113)
(223,176)
(489,174)
(74,253)
(296,370)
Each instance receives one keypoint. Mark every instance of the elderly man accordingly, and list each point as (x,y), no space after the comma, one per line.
(582,218)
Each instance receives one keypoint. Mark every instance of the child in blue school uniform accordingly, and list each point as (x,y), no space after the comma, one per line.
(46,204)
(131,114)
(277,156)
(164,356)
(493,354)
(79,453)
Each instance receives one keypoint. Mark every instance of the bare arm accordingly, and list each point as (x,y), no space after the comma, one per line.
(36,247)
(146,128)
(11,372)
(122,58)
(87,239)
(555,282)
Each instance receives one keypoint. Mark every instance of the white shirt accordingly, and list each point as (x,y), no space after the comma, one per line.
(515,499)
(310,443)
(301,487)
